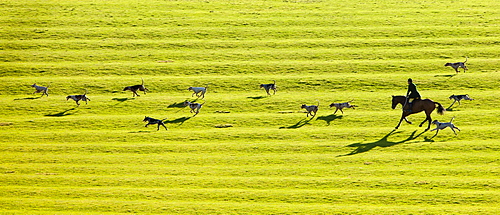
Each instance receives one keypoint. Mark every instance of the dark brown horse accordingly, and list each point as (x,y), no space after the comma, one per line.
(426,105)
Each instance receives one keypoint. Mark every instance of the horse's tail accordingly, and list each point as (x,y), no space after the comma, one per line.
(441,109)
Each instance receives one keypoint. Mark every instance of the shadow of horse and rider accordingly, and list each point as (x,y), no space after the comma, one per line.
(383,142)
(426,105)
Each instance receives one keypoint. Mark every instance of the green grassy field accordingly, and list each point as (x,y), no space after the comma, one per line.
(245,152)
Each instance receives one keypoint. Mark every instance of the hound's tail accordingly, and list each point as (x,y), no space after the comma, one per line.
(142,81)
(466,58)
(441,109)
(452,119)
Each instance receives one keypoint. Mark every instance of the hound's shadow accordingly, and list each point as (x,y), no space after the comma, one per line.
(328,119)
(299,124)
(176,105)
(122,99)
(63,113)
(446,76)
(256,97)
(138,132)
(28,98)
(449,109)
(178,120)
(384,142)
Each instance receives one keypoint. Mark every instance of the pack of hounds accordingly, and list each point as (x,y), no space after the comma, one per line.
(310,110)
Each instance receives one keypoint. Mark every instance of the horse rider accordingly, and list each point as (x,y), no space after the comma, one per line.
(412,94)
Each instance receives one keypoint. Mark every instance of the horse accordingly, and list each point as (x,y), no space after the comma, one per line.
(426,105)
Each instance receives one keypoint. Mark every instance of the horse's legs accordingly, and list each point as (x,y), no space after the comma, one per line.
(397,126)
(427,118)
(409,122)
(403,116)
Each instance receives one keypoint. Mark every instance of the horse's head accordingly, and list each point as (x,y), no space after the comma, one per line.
(397,100)
(393,103)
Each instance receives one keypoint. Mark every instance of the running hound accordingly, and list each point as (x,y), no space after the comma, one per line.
(40,89)
(340,106)
(457,98)
(135,88)
(458,65)
(77,98)
(152,121)
(268,87)
(195,107)
(443,125)
(310,109)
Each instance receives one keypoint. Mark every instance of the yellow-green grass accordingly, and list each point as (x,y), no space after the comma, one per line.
(246,152)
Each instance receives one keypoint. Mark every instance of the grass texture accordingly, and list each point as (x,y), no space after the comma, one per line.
(246,152)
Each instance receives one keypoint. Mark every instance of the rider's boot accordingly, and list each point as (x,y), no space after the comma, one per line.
(410,105)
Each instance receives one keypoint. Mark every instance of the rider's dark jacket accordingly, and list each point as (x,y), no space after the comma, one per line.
(412,91)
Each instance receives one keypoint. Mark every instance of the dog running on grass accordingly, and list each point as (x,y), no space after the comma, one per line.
(457,98)
(341,106)
(77,98)
(458,65)
(311,109)
(268,87)
(40,89)
(443,125)
(199,91)
(195,107)
(135,88)
(152,121)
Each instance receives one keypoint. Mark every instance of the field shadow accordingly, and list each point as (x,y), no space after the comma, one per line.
(328,119)
(449,108)
(256,97)
(446,76)
(122,99)
(426,139)
(28,98)
(138,132)
(179,121)
(383,142)
(176,105)
(62,113)
(299,124)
